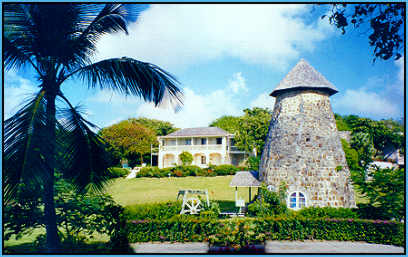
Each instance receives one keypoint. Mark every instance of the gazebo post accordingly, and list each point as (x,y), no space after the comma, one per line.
(249,194)
(236,194)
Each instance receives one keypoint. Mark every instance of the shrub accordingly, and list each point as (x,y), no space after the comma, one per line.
(178,173)
(152,211)
(211,211)
(186,158)
(225,169)
(367,211)
(166,171)
(239,232)
(267,204)
(115,172)
(327,212)
(253,162)
(149,172)
(191,170)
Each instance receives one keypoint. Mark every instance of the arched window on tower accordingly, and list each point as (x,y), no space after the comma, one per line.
(297,200)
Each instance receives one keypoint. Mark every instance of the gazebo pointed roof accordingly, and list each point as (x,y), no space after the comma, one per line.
(304,76)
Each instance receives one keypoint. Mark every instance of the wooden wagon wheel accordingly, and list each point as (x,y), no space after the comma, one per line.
(193,205)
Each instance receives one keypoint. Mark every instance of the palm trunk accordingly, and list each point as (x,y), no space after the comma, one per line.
(49,210)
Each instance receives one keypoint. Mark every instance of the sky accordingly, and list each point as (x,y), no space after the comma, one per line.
(231,57)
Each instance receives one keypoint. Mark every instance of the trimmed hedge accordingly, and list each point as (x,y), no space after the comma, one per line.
(153,211)
(328,212)
(116,172)
(239,232)
(189,170)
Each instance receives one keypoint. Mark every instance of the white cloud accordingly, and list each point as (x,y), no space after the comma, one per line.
(198,110)
(399,84)
(263,100)
(16,90)
(176,36)
(237,83)
(401,71)
(365,103)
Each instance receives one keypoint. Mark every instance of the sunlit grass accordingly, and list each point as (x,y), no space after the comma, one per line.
(150,190)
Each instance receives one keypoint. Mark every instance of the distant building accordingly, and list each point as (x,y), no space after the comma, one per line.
(394,155)
(208,145)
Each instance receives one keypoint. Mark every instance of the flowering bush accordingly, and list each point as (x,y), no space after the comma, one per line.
(189,170)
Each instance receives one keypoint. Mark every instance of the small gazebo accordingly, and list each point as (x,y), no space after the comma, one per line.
(245,179)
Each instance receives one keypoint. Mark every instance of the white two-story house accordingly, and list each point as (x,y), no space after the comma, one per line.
(208,145)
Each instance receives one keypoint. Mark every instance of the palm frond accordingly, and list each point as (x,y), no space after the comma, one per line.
(19,35)
(83,158)
(13,57)
(93,21)
(112,18)
(25,146)
(132,77)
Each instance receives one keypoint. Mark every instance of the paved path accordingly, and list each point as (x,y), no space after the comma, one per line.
(157,247)
(318,247)
(321,247)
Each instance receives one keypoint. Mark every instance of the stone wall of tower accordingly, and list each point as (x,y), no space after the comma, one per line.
(304,150)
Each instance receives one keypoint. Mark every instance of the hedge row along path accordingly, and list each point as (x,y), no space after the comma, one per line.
(283,247)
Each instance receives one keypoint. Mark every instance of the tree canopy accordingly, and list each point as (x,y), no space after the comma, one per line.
(227,123)
(250,129)
(161,128)
(383,133)
(129,138)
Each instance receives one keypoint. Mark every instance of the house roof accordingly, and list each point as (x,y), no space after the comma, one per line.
(204,131)
(382,165)
(304,76)
(245,179)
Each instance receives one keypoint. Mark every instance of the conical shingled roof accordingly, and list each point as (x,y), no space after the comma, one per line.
(304,76)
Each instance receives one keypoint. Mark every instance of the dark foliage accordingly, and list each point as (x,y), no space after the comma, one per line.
(386,22)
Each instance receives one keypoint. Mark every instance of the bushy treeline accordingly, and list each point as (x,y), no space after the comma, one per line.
(381,134)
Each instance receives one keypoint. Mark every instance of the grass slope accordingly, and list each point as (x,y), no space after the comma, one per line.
(149,190)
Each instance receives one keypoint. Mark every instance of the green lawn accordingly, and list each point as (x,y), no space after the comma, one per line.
(150,190)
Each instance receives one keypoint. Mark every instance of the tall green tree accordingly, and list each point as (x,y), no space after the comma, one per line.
(129,138)
(162,128)
(227,123)
(253,129)
(58,42)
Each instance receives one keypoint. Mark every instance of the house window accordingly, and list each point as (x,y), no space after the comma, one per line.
(202,159)
(188,141)
(203,141)
(219,140)
(297,200)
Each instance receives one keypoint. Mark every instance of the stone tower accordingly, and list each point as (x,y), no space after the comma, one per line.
(303,148)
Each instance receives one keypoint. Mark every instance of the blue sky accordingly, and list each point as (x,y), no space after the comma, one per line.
(230,57)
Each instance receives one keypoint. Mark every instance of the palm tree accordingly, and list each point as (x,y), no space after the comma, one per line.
(58,41)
